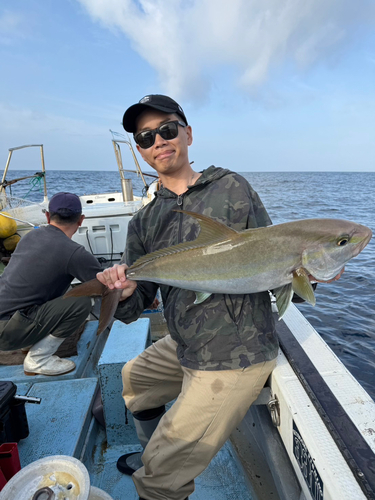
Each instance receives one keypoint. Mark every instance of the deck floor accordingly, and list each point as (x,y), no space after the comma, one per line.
(62,424)
(222,480)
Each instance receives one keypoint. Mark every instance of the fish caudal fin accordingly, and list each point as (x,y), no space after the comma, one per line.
(92,288)
(108,308)
(110,299)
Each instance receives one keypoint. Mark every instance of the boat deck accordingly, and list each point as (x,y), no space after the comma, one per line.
(222,480)
(89,348)
(63,423)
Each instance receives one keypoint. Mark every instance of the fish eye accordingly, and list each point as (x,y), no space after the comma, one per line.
(343,241)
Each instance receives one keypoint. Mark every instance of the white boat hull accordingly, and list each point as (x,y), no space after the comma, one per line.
(317,461)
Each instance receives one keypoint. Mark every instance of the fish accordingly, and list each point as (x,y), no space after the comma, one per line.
(283,259)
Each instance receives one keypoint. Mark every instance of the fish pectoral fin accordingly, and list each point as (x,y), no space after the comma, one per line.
(92,288)
(302,286)
(283,296)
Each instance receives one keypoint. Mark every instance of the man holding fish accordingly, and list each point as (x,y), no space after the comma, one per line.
(222,344)
(219,353)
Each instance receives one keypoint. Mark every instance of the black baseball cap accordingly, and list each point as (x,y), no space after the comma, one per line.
(65,204)
(154,101)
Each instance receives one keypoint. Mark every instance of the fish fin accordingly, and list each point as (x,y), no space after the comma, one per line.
(302,286)
(201,297)
(283,296)
(92,288)
(110,299)
(211,232)
(211,229)
(108,308)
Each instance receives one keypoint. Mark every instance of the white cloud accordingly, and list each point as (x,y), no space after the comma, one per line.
(186,42)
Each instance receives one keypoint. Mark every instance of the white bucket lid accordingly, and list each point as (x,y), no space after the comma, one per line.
(64,475)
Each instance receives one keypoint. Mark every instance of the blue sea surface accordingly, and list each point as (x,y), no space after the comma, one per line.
(344,314)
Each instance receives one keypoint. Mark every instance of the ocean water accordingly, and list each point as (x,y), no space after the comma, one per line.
(344,314)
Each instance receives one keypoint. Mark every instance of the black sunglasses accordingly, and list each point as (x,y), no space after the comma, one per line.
(167,131)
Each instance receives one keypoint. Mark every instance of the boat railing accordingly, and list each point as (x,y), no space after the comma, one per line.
(40,175)
(126,182)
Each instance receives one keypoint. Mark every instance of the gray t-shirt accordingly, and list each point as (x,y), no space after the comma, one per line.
(42,267)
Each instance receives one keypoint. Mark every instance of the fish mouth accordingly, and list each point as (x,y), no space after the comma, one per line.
(327,280)
(366,240)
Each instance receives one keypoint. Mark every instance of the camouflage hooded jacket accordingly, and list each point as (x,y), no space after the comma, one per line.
(225,331)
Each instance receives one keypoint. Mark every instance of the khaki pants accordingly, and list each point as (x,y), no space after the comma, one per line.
(209,405)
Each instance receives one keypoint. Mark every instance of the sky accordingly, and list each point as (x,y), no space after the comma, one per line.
(267,85)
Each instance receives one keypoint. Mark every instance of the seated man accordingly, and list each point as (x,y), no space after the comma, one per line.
(32,310)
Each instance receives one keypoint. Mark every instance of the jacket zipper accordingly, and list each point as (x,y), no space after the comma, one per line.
(179,203)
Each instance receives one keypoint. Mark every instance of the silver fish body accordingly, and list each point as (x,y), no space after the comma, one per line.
(282,258)
(254,260)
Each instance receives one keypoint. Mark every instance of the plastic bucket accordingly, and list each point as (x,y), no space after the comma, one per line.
(66,476)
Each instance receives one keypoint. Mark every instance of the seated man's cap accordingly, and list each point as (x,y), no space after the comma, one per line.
(65,204)
(154,101)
